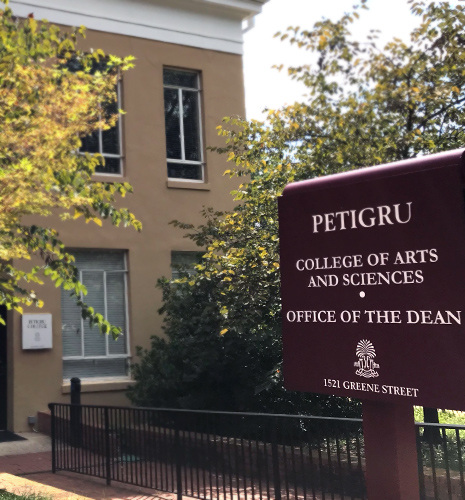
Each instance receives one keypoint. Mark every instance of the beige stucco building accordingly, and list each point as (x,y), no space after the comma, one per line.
(189,52)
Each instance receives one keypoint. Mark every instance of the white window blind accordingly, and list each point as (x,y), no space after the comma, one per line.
(86,352)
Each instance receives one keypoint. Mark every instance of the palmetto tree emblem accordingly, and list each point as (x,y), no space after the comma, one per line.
(366,353)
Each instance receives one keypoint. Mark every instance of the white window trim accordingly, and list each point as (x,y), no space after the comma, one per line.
(127,355)
(183,160)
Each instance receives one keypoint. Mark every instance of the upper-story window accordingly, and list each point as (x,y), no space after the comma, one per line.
(107,142)
(183,124)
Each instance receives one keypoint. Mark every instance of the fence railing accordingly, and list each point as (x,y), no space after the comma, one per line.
(240,456)
(212,455)
(441,457)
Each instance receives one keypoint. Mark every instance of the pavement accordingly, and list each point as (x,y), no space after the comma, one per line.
(26,467)
(34,442)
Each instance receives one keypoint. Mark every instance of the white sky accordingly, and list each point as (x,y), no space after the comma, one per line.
(266,87)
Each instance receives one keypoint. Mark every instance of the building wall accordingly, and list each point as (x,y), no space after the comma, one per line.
(35,377)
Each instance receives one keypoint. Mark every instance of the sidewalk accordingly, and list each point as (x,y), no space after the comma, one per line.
(31,462)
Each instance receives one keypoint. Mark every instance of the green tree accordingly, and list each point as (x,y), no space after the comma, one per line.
(364,107)
(46,108)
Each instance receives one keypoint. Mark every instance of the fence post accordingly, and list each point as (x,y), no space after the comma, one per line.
(75,415)
(275,460)
(421,475)
(430,433)
(107,445)
(177,457)
(51,407)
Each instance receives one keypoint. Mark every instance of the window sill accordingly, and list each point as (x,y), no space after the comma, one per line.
(110,178)
(100,385)
(201,186)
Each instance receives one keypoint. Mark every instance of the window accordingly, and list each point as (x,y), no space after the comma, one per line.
(86,352)
(184,262)
(182,125)
(107,142)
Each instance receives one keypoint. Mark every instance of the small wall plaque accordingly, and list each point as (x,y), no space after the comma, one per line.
(37,331)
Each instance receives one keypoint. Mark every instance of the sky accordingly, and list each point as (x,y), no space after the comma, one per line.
(266,87)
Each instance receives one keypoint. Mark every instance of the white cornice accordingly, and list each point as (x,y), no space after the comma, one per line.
(247,7)
(207,24)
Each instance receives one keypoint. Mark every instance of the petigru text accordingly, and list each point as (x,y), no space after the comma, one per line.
(382,215)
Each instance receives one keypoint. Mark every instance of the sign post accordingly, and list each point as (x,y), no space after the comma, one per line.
(373,293)
(390,452)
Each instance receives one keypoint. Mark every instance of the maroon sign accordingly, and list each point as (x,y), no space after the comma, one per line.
(373,283)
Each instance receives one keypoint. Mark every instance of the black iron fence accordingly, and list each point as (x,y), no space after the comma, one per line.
(240,456)
(212,455)
(441,456)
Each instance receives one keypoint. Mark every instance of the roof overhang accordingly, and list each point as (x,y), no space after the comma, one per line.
(207,24)
(245,8)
